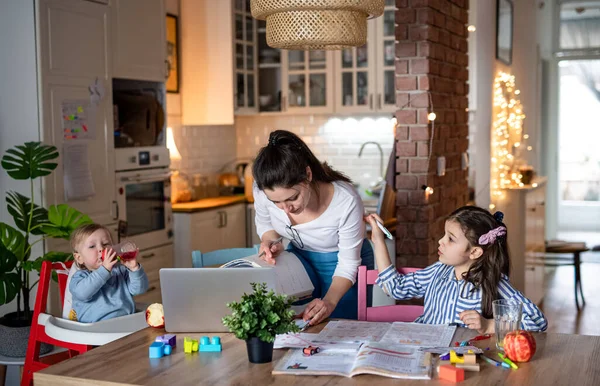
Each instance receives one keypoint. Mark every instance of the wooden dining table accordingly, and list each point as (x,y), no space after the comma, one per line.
(561,359)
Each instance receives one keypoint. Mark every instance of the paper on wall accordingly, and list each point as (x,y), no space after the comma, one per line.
(77,175)
(78,119)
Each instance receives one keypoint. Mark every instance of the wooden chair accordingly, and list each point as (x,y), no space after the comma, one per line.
(220,256)
(393,313)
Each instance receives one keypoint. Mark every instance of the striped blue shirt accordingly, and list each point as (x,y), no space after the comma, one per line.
(445,297)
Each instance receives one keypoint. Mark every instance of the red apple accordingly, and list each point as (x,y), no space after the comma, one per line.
(519,345)
(155,315)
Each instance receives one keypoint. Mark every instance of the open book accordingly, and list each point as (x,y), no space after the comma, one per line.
(388,360)
(290,274)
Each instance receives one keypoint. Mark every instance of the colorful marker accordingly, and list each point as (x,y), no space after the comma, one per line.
(508,361)
(495,363)
(384,230)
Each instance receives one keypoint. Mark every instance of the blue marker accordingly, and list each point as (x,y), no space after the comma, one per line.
(495,363)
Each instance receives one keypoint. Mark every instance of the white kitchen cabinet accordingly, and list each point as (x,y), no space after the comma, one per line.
(208,230)
(153,260)
(207,62)
(524,216)
(245,62)
(365,76)
(139,46)
(74,52)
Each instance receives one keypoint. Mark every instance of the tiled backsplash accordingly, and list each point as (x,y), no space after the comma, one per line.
(336,140)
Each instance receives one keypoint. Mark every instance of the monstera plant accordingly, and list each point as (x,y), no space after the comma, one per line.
(34,224)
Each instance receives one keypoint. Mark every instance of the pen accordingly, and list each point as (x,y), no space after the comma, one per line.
(495,363)
(270,245)
(384,230)
(481,337)
(508,361)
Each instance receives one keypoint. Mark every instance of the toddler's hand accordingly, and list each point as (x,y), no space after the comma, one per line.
(132,264)
(473,320)
(376,233)
(110,259)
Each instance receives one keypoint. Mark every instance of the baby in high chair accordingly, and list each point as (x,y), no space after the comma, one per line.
(102,289)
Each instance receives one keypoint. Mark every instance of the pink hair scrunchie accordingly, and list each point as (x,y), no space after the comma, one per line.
(491,236)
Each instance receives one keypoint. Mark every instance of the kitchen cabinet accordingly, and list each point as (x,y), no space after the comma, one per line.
(153,260)
(524,216)
(245,62)
(208,230)
(139,46)
(207,62)
(74,52)
(365,76)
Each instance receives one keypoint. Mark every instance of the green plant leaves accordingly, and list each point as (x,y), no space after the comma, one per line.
(262,314)
(63,220)
(19,207)
(29,161)
(11,247)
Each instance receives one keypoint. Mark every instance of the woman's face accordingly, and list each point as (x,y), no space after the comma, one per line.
(291,200)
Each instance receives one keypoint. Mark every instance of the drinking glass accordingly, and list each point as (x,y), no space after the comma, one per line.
(507,318)
(126,250)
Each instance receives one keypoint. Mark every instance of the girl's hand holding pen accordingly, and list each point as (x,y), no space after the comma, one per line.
(270,249)
(376,232)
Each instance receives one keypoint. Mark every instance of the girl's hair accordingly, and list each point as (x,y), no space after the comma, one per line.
(487,270)
(283,162)
(81,233)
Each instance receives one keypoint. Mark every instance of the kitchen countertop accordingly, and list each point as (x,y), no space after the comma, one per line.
(207,203)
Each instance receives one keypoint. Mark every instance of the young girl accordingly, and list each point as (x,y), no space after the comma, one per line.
(102,289)
(472,272)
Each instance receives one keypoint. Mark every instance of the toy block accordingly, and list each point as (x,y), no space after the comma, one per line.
(169,339)
(213,345)
(451,373)
(468,367)
(455,358)
(445,357)
(190,345)
(159,349)
(470,359)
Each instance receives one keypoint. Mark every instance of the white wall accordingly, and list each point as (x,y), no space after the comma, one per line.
(19,118)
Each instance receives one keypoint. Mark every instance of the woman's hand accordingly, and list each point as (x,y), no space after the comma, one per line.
(317,311)
(271,249)
(473,320)
(110,259)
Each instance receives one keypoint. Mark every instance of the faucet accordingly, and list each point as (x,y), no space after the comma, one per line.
(380,155)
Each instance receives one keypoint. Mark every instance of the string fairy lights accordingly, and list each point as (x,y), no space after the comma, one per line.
(507,137)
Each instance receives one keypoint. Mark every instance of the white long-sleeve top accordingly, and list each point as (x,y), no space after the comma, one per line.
(339,228)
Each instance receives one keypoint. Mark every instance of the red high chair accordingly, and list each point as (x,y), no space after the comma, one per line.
(38,335)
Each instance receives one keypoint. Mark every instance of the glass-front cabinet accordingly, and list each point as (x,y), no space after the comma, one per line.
(365,76)
(308,82)
(245,62)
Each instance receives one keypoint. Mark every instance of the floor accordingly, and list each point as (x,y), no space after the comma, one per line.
(559,301)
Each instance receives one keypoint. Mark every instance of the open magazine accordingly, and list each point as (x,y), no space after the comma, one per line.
(388,360)
(290,274)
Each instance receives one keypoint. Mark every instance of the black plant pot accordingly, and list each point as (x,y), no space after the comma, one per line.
(259,351)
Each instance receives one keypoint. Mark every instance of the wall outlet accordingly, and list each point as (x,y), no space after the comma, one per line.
(441,166)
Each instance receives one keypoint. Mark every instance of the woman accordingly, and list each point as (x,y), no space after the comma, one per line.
(318,209)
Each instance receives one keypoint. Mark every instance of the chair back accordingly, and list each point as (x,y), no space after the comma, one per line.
(393,313)
(220,256)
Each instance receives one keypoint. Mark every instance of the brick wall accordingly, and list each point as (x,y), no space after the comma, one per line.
(431,58)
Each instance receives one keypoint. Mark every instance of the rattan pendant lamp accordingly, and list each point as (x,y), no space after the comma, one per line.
(316,24)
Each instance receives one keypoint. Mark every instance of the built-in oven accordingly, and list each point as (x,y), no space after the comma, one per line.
(144,196)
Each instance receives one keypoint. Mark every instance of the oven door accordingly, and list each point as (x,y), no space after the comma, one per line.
(144,207)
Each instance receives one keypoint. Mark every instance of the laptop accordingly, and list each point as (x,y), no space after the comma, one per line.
(194,299)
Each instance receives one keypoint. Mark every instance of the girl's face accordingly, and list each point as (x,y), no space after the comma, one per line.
(454,248)
(291,200)
(89,251)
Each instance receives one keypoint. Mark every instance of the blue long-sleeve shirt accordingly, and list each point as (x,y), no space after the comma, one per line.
(445,296)
(100,294)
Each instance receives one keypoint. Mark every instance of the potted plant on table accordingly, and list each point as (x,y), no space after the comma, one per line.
(34,224)
(258,317)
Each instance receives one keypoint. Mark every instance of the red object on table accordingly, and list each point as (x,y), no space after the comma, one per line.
(451,373)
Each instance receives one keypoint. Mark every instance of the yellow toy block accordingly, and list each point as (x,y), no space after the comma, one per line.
(455,358)
(190,345)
